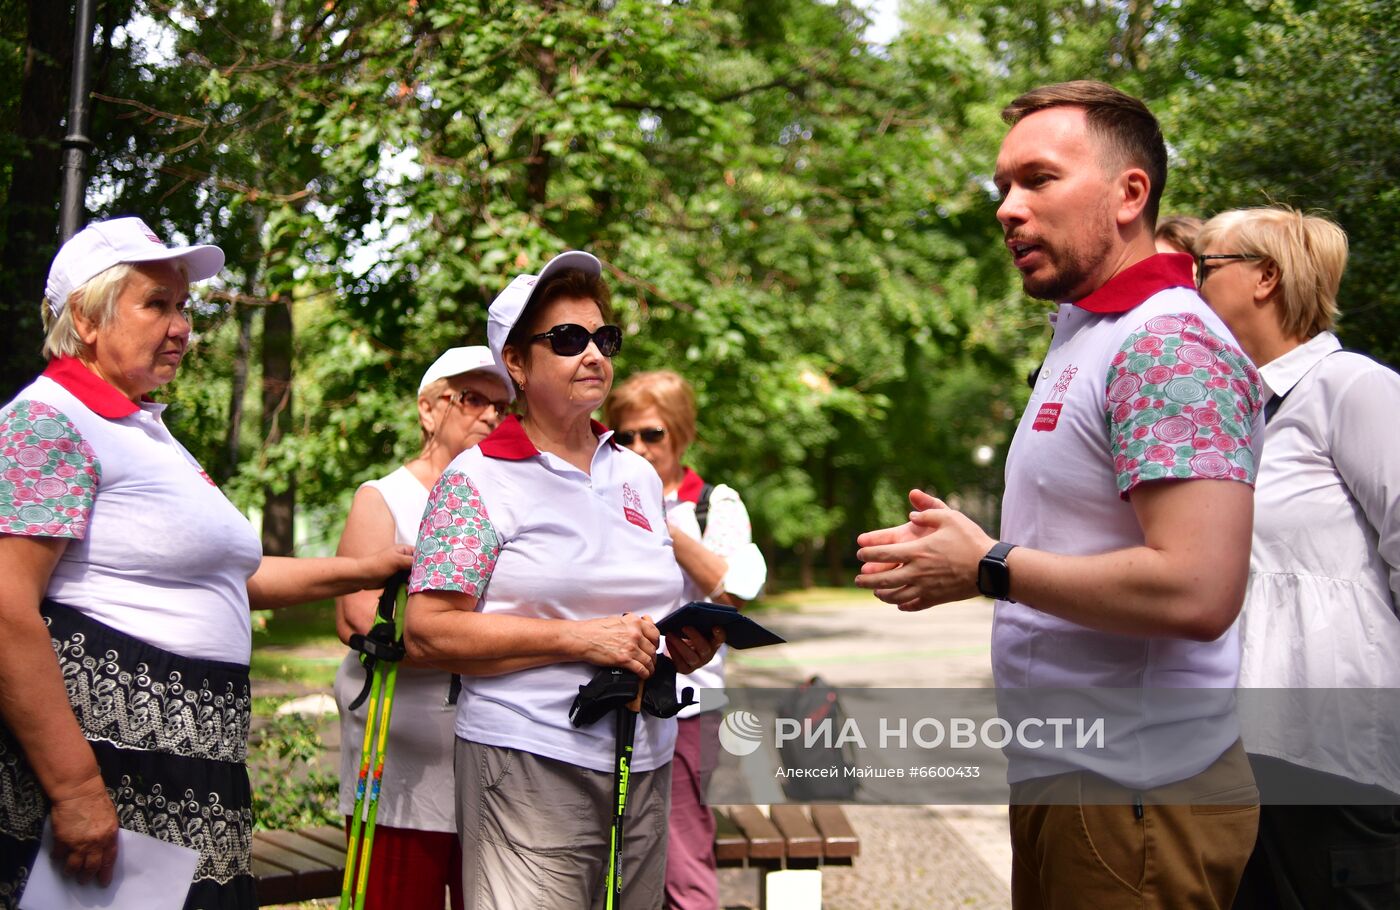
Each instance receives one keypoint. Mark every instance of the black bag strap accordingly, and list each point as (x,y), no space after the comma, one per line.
(702,506)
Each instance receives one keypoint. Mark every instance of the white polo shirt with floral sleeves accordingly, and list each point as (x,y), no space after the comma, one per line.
(1143,383)
(529,534)
(155,550)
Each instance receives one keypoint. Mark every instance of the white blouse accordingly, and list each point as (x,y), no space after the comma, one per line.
(1325,570)
(154,549)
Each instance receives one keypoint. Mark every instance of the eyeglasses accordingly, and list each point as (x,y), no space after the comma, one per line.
(1202,270)
(650,435)
(570,338)
(479,402)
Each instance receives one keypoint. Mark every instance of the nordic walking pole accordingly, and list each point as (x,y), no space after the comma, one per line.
(381,651)
(626,736)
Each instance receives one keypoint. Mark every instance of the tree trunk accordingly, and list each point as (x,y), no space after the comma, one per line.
(1139,23)
(30,215)
(279,499)
(538,164)
(239,390)
(806,564)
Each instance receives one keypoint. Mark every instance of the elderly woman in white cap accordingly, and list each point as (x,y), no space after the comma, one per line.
(126,584)
(416,860)
(543,555)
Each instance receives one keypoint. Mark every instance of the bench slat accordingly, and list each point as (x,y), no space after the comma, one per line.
(298,842)
(329,835)
(276,884)
(289,868)
(839,840)
(765,840)
(730,843)
(803,841)
(313,878)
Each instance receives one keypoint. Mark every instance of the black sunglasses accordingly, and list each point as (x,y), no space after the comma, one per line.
(650,435)
(1202,270)
(479,402)
(570,338)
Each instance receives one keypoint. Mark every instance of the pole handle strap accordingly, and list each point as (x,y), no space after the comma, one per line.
(382,642)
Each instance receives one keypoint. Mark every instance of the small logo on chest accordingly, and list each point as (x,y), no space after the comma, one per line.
(632,507)
(1048,417)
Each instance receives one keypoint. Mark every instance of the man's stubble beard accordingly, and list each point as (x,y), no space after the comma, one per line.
(1075,264)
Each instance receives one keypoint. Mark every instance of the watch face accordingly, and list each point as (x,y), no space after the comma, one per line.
(993,578)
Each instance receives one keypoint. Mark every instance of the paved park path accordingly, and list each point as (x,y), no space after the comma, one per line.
(915,857)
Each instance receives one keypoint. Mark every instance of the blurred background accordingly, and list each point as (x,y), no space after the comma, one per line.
(792,197)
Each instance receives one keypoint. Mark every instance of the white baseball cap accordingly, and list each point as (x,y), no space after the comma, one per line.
(456,361)
(103,244)
(510,303)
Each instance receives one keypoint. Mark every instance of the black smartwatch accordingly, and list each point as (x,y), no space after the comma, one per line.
(993,574)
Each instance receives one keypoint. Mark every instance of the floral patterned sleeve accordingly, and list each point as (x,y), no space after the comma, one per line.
(1180,404)
(457,544)
(48,473)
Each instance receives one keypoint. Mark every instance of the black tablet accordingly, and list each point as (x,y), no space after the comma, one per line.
(739,631)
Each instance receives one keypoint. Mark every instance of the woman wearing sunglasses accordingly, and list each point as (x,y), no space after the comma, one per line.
(461,399)
(653,414)
(1324,580)
(544,555)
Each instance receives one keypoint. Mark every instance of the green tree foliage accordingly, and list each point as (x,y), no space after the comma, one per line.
(1307,115)
(800,222)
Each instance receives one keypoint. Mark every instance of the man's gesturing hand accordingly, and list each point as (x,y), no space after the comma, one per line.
(930,560)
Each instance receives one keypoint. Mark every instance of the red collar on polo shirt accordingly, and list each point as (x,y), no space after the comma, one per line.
(1139,281)
(690,488)
(96,393)
(510,442)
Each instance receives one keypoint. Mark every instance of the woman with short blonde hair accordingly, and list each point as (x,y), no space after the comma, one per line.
(1305,253)
(1320,610)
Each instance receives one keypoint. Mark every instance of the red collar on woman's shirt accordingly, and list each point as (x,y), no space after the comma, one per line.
(96,393)
(510,442)
(1139,281)
(690,488)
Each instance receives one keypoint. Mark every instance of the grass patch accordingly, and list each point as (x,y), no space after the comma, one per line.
(274,665)
(300,625)
(798,598)
(297,645)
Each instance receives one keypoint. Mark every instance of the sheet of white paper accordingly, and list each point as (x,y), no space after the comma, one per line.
(150,875)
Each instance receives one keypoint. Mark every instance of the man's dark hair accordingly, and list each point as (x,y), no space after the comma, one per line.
(1118,118)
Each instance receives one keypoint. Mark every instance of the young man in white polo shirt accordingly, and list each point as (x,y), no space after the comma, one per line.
(1126,526)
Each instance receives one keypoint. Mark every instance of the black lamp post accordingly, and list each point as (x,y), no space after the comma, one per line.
(76,143)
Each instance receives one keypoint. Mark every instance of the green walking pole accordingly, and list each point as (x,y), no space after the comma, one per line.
(625,736)
(380,652)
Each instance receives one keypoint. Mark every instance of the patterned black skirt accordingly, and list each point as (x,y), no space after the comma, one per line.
(171,737)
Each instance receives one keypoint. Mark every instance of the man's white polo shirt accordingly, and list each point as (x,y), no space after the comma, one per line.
(529,534)
(154,549)
(1143,383)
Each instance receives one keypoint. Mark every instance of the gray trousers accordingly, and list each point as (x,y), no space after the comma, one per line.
(536,832)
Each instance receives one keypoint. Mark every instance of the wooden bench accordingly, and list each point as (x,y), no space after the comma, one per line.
(789,845)
(293,866)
